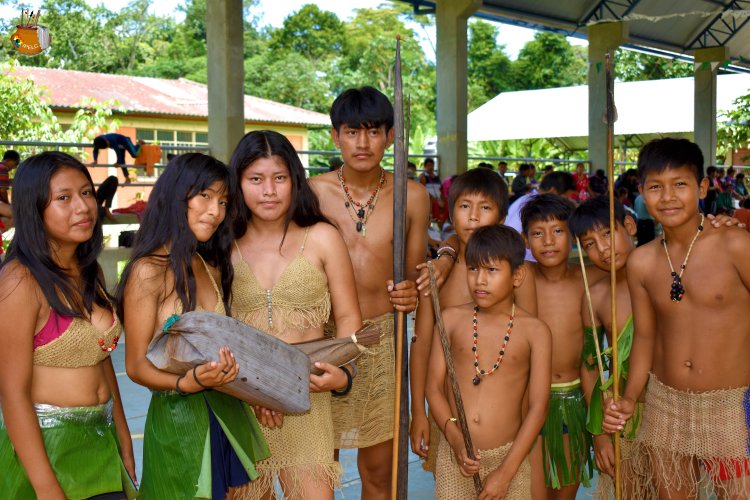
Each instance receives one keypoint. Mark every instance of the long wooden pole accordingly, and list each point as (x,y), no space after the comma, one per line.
(399,472)
(462,422)
(611,117)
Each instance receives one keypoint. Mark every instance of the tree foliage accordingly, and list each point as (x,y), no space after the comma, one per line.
(631,66)
(33,119)
(549,61)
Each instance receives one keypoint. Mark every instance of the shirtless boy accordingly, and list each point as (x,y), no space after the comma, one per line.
(478,198)
(564,452)
(590,224)
(691,344)
(507,357)
(358,199)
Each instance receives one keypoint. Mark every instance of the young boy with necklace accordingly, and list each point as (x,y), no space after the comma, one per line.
(358,199)
(477,198)
(505,361)
(691,346)
(563,456)
(589,223)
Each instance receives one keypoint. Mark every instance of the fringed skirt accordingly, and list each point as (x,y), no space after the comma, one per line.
(436,436)
(364,417)
(82,448)
(566,415)
(301,449)
(198,446)
(693,441)
(450,484)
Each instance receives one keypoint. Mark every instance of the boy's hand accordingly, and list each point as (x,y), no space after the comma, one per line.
(495,486)
(269,418)
(467,466)
(442,268)
(724,220)
(616,414)
(332,378)
(420,434)
(404,296)
(604,453)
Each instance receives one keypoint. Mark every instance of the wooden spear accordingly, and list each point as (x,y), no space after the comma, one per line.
(610,118)
(462,423)
(399,475)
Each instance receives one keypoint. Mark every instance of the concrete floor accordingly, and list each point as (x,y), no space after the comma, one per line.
(136,399)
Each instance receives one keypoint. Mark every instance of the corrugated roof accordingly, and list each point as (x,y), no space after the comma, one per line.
(157,96)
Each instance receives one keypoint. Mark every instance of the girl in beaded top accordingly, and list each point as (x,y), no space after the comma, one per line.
(61,409)
(291,266)
(180,263)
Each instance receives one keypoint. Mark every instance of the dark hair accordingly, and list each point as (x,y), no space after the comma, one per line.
(600,172)
(525,167)
(100,142)
(740,177)
(165,222)
(545,207)
(711,170)
(483,182)
(503,163)
(30,246)
(731,170)
(662,154)
(593,214)
(746,203)
(364,107)
(304,209)
(11,155)
(623,191)
(495,242)
(428,160)
(559,182)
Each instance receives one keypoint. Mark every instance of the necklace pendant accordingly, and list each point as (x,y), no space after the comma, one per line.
(346,204)
(364,231)
(361,213)
(359,226)
(476,380)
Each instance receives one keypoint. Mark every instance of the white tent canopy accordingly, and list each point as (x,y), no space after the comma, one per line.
(643,108)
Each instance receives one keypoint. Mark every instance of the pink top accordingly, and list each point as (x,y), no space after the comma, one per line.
(54,328)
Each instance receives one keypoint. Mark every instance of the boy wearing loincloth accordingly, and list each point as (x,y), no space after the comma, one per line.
(358,199)
(563,455)
(500,354)
(590,224)
(691,346)
(477,198)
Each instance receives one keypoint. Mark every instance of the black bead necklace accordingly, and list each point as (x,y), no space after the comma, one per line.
(678,291)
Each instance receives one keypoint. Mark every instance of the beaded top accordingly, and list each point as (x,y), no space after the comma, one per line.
(300,298)
(78,346)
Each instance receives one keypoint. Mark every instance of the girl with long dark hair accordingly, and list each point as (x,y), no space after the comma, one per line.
(61,410)
(291,269)
(180,263)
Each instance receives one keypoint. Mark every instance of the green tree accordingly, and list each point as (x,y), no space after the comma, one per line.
(631,66)
(734,130)
(549,61)
(489,67)
(312,33)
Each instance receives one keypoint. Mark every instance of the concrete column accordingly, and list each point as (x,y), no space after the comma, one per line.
(452,108)
(602,37)
(226,100)
(707,63)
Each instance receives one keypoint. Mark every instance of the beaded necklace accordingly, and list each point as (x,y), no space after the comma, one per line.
(501,354)
(361,212)
(678,291)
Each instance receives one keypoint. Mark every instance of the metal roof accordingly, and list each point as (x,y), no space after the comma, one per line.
(672,28)
(156,96)
(645,110)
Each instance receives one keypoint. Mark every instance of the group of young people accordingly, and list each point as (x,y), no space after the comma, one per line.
(301,259)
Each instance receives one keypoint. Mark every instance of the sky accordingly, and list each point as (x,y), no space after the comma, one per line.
(273,13)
